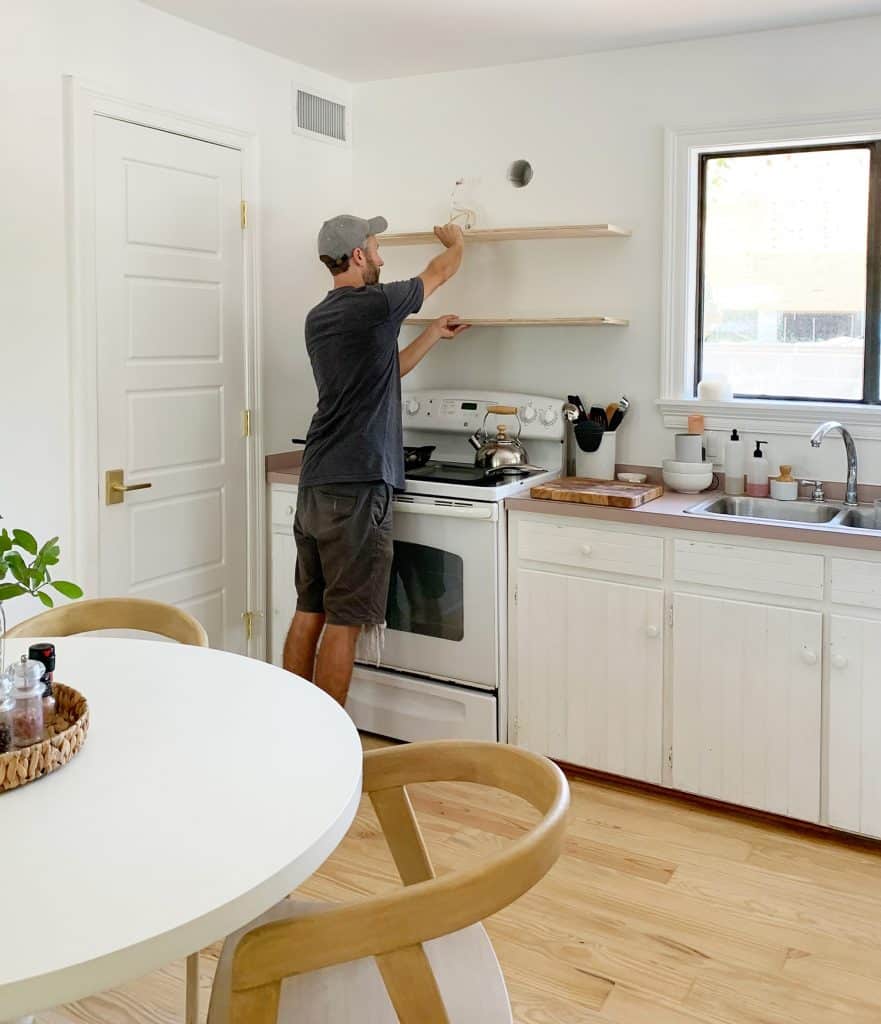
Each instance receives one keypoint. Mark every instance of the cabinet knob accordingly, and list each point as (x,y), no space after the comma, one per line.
(290,510)
(652,631)
(586,549)
(808,656)
(839,661)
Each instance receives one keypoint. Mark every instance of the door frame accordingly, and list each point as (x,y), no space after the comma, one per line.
(83,103)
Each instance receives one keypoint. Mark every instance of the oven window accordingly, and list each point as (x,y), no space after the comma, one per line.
(426,592)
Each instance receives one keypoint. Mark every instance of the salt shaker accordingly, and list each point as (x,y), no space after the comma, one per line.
(27,715)
(7,703)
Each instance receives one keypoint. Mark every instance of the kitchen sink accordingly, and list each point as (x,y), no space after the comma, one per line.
(767,509)
(826,515)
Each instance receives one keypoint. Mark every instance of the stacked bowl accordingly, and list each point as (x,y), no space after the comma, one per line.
(687,477)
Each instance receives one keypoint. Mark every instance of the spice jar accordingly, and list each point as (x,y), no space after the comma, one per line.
(27,715)
(45,654)
(7,703)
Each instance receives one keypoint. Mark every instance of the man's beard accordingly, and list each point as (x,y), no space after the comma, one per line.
(371,273)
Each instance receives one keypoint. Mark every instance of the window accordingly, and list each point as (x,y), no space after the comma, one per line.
(787,295)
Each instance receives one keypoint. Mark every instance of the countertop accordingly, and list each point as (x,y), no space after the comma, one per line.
(669,511)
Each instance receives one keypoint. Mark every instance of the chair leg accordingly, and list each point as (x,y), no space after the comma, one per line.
(192,1016)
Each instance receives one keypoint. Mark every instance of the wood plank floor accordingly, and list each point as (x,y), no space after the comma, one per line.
(658,913)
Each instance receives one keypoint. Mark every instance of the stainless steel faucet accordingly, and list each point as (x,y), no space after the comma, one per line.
(850,495)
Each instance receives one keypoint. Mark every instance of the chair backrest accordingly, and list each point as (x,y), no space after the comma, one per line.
(115,613)
(392,927)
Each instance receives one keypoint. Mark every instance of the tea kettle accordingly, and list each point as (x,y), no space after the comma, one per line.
(500,453)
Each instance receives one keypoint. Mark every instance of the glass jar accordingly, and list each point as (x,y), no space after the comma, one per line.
(45,654)
(27,715)
(7,703)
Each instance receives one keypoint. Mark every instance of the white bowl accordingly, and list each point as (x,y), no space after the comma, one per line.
(689,468)
(687,483)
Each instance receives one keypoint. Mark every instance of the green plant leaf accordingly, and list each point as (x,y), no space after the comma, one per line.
(5,542)
(25,540)
(51,555)
(47,601)
(68,589)
(17,567)
(10,590)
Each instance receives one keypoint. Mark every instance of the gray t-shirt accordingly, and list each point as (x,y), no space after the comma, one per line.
(352,340)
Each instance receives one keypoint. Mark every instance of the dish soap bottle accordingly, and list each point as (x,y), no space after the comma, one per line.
(734,468)
(758,474)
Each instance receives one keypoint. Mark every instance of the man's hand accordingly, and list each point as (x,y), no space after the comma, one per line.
(447,326)
(449,235)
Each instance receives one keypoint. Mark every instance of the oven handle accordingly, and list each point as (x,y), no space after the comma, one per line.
(451,511)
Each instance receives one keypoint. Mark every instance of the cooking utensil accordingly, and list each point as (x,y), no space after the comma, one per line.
(501,450)
(579,405)
(610,411)
(588,435)
(616,417)
(598,415)
(416,456)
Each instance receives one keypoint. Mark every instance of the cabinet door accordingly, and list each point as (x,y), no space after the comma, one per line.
(589,673)
(855,725)
(283,595)
(746,704)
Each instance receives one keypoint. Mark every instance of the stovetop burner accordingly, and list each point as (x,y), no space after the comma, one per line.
(466,473)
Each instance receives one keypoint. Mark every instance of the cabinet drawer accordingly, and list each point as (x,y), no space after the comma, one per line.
(631,554)
(760,570)
(282,506)
(855,583)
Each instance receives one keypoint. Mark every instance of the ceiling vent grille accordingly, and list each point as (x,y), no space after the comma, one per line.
(321,118)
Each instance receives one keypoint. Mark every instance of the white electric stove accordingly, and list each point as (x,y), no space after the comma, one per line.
(442,672)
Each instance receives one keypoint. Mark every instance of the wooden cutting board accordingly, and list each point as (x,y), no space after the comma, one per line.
(597,492)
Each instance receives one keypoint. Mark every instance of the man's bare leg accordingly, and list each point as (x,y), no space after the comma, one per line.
(336,659)
(302,643)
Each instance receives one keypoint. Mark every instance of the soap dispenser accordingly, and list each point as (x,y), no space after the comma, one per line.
(734,468)
(758,474)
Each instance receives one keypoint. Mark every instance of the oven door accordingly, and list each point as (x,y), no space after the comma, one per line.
(442,617)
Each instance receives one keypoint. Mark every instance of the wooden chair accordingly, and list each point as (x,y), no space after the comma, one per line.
(115,613)
(125,613)
(416,955)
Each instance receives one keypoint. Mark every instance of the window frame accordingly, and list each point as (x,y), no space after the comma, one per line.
(872,325)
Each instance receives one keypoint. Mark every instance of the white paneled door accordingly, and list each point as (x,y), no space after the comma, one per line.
(589,667)
(746,703)
(171,373)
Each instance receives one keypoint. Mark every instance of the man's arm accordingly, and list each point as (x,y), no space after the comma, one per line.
(444,327)
(442,267)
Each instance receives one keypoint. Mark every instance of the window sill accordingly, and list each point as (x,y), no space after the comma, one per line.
(751,415)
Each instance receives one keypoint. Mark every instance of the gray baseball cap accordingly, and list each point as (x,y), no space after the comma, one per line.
(340,236)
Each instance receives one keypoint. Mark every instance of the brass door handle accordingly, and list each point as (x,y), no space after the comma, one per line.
(116,488)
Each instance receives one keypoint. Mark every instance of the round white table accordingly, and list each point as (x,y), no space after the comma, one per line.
(210,786)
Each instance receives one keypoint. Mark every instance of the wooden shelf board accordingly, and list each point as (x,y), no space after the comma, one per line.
(513,234)
(529,321)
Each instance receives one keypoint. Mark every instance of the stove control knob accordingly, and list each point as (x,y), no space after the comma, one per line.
(549,416)
(412,406)
(528,413)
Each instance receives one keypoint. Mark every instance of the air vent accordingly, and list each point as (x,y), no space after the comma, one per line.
(320,117)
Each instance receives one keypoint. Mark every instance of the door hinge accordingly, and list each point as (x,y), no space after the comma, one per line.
(669,757)
(246,423)
(516,595)
(248,619)
(243,211)
(670,616)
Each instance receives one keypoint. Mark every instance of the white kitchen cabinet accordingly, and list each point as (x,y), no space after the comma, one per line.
(854,717)
(589,672)
(283,556)
(746,703)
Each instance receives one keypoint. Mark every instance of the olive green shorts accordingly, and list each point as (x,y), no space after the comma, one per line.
(344,551)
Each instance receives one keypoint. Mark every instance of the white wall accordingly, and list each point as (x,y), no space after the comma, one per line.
(138,53)
(593,128)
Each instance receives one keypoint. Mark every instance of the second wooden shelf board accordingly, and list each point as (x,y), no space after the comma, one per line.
(513,234)
(529,321)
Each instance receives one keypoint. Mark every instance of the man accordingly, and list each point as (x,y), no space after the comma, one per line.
(354,458)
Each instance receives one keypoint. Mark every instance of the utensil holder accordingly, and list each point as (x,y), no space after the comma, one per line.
(598,465)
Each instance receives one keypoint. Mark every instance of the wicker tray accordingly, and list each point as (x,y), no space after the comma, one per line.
(67,734)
